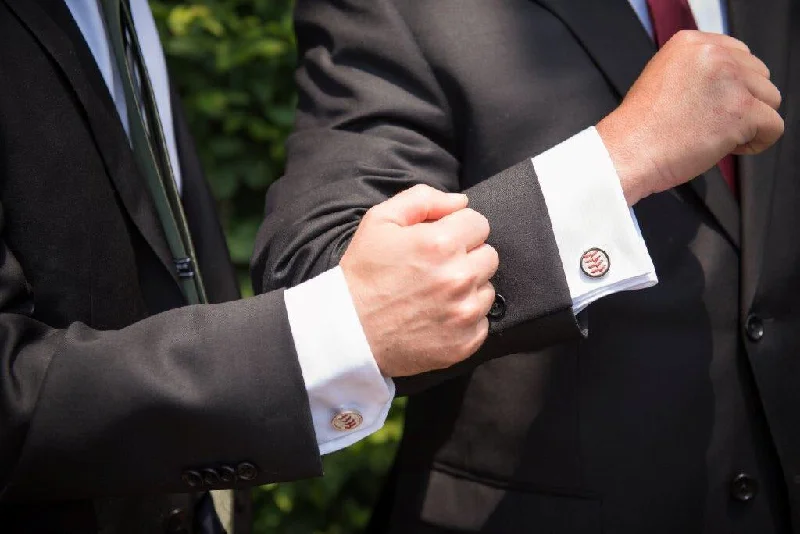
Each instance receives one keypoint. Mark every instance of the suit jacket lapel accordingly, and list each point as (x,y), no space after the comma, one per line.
(713,190)
(764,26)
(52,25)
(615,39)
(612,35)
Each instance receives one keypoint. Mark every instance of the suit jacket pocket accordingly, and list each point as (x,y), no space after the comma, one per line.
(463,505)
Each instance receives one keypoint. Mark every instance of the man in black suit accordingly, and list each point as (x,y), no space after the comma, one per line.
(678,410)
(120,406)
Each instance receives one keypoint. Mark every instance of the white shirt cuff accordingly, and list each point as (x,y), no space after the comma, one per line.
(349,397)
(588,211)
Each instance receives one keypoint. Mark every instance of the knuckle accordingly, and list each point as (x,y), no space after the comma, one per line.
(458,280)
(740,43)
(441,244)
(421,189)
(688,36)
(492,292)
(469,312)
(711,56)
(422,193)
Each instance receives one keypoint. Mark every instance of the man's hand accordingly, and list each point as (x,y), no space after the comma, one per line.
(418,270)
(702,97)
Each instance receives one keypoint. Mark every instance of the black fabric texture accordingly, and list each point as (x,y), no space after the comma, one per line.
(642,426)
(110,387)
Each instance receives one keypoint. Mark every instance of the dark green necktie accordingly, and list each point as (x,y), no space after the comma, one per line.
(150,151)
(149,145)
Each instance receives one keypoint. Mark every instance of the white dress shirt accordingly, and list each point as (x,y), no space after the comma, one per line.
(583,197)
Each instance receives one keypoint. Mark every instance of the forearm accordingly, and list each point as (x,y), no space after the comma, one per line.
(193,388)
(572,194)
(530,280)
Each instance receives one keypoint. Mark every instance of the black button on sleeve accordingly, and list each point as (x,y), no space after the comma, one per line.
(754,327)
(498,309)
(247,471)
(743,487)
(211,477)
(227,474)
(176,523)
(192,479)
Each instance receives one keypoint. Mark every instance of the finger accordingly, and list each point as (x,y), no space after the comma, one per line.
(419,204)
(485,297)
(480,334)
(485,261)
(763,89)
(750,62)
(467,228)
(769,128)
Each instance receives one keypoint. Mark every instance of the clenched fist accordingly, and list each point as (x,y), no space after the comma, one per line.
(418,270)
(702,97)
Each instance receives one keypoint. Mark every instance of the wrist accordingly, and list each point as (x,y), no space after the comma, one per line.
(629,151)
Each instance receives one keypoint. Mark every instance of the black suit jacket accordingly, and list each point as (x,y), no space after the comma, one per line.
(109,386)
(679,412)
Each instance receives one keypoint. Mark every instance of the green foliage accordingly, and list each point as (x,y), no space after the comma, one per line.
(232,62)
(341,501)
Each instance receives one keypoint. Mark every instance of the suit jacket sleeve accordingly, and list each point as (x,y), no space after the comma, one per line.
(87,413)
(373,119)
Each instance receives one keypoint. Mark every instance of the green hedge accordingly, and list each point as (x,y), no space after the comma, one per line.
(232,62)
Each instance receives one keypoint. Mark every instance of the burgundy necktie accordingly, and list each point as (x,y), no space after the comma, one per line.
(668,18)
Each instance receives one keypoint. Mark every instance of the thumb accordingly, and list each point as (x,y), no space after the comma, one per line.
(419,204)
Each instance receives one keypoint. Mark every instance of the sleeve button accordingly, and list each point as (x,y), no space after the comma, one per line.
(498,309)
(227,474)
(247,471)
(175,523)
(192,479)
(743,487)
(754,328)
(211,477)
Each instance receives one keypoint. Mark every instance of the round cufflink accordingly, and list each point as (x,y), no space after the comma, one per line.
(595,263)
(347,420)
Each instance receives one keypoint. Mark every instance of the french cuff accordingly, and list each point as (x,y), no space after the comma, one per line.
(598,236)
(349,397)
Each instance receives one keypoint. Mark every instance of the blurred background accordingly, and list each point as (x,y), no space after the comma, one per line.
(232,62)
